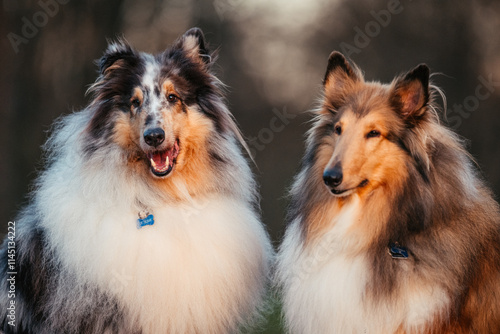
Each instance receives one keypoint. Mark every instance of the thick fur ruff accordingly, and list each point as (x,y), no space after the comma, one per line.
(82,264)
(380,171)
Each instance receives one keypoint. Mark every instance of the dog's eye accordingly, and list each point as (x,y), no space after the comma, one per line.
(373,134)
(172,98)
(136,103)
(338,129)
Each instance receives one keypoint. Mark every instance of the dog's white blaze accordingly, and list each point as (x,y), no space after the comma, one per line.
(324,286)
(148,82)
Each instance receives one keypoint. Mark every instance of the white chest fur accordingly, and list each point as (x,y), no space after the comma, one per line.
(324,286)
(203,261)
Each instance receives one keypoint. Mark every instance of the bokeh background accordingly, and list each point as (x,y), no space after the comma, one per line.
(273,55)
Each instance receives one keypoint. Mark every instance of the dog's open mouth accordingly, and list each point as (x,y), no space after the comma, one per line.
(163,162)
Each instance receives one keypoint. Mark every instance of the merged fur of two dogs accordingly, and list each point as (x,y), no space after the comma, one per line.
(390,230)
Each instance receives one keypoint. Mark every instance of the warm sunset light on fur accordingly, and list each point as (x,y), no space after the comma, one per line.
(146,218)
(390,230)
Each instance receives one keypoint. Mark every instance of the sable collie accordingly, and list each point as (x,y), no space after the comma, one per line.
(390,230)
(145,220)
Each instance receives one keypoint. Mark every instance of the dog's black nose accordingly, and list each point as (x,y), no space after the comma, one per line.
(333,176)
(154,137)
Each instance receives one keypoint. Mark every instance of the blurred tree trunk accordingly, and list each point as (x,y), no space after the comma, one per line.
(48,48)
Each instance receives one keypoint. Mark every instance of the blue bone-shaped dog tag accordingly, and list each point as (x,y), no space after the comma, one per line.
(397,251)
(149,220)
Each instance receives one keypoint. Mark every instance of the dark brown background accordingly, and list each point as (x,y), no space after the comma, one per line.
(272,56)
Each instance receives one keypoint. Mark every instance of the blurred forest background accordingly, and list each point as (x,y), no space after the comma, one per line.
(273,55)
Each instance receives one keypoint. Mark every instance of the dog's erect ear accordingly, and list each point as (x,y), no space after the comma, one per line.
(340,76)
(411,93)
(117,55)
(194,44)
(338,69)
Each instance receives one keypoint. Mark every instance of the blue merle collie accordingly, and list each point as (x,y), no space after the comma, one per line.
(390,230)
(145,219)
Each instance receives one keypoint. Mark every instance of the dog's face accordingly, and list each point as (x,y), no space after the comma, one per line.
(153,123)
(158,109)
(364,127)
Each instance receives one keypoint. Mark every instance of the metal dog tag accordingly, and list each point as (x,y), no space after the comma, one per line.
(145,219)
(397,251)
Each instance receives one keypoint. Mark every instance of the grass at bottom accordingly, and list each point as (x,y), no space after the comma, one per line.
(272,323)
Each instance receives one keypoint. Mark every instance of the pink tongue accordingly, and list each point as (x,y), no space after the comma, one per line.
(160,160)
